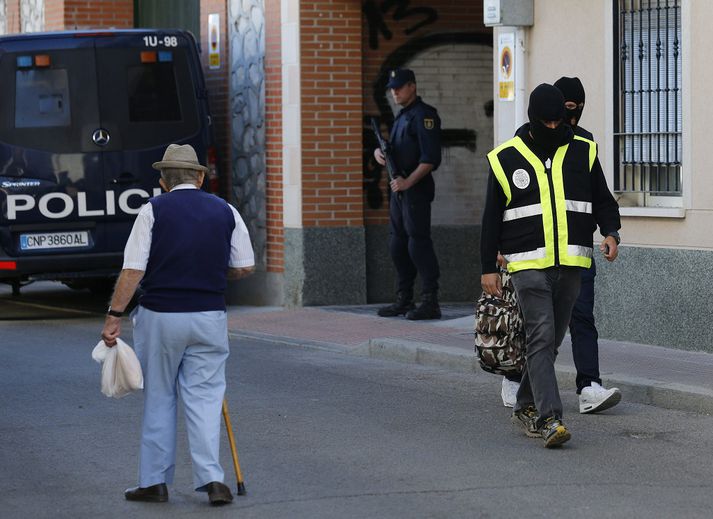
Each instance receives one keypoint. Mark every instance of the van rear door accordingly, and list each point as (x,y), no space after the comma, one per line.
(148,98)
(50,170)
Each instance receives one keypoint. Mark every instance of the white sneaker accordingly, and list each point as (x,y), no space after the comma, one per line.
(596,398)
(509,392)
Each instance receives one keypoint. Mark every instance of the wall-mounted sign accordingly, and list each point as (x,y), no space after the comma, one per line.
(506,66)
(491,12)
(516,13)
(214,41)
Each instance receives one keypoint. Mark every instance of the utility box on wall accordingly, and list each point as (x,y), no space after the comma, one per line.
(517,13)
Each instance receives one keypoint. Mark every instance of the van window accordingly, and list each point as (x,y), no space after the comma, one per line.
(42,98)
(51,108)
(146,105)
(152,92)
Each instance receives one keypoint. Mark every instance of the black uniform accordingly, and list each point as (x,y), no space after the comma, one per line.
(415,139)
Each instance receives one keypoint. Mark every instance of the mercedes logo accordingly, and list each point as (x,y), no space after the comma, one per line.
(101,137)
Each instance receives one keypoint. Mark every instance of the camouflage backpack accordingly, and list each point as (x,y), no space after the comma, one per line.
(499,331)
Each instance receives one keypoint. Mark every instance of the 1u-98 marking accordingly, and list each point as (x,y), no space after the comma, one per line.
(166,41)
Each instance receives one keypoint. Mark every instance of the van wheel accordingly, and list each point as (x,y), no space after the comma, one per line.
(15,288)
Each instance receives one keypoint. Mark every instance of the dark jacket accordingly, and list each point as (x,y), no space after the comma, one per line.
(415,139)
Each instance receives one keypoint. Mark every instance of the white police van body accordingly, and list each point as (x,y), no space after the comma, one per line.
(83,115)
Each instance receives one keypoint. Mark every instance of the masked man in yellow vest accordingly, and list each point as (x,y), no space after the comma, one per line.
(546,196)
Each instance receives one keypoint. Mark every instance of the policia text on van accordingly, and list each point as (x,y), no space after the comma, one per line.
(83,116)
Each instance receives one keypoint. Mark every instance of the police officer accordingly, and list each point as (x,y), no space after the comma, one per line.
(585,347)
(546,194)
(416,148)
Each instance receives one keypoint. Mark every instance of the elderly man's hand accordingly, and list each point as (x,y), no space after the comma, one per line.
(111,330)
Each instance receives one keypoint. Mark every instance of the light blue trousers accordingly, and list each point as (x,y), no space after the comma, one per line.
(181,353)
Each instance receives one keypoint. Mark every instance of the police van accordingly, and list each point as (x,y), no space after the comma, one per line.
(83,115)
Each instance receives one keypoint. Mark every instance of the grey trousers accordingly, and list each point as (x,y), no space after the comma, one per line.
(546,298)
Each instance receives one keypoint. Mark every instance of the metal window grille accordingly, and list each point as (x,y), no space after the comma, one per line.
(648,143)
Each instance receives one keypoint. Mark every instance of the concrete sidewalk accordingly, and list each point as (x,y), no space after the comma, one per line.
(664,377)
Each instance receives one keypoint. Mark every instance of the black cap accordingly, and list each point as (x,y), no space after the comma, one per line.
(546,104)
(399,77)
(571,88)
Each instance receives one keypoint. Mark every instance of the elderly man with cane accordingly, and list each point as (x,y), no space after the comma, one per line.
(184,246)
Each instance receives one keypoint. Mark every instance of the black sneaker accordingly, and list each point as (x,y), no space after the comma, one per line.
(403,305)
(527,419)
(554,433)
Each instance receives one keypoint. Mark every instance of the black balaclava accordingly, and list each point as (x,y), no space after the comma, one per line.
(572,90)
(547,104)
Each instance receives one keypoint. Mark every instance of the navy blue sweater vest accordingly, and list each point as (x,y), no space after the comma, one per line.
(190,251)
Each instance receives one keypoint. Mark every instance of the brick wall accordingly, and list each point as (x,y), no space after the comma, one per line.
(331,74)
(60,15)
(218,90)
(12,23)
(88,14)
(273,145)
(54,15)
(388,42)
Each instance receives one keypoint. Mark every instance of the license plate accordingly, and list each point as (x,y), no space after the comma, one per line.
(54,240)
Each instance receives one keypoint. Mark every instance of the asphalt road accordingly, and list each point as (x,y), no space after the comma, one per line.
(326,435)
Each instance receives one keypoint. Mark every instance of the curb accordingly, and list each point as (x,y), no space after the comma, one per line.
(289,341)
(678,397)
(634,389)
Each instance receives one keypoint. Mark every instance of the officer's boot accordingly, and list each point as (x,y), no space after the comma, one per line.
(403,304)
(428,309)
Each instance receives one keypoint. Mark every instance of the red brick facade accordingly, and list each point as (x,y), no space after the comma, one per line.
(13,16)
(330,46)
(273,131)
(60,15)
(84,14)
(54,16)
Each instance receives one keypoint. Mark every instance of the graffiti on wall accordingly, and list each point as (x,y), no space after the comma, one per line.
(377,15)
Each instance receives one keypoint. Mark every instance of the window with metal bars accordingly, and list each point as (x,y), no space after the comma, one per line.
(647,133)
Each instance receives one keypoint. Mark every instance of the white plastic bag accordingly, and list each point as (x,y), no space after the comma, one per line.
(121,371)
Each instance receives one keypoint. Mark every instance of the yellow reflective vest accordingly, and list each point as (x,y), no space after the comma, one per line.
(548,218)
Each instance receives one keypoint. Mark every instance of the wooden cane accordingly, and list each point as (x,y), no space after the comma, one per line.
(233,450)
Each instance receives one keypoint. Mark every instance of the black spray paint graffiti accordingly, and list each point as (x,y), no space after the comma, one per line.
(376,18)
(450,138)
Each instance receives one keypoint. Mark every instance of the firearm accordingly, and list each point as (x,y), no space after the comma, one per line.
(385,149)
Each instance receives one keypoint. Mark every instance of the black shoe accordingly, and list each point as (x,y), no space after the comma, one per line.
(403,304)
(153,494)
(218,493)
(428,309)
(554,433)
(527,419)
